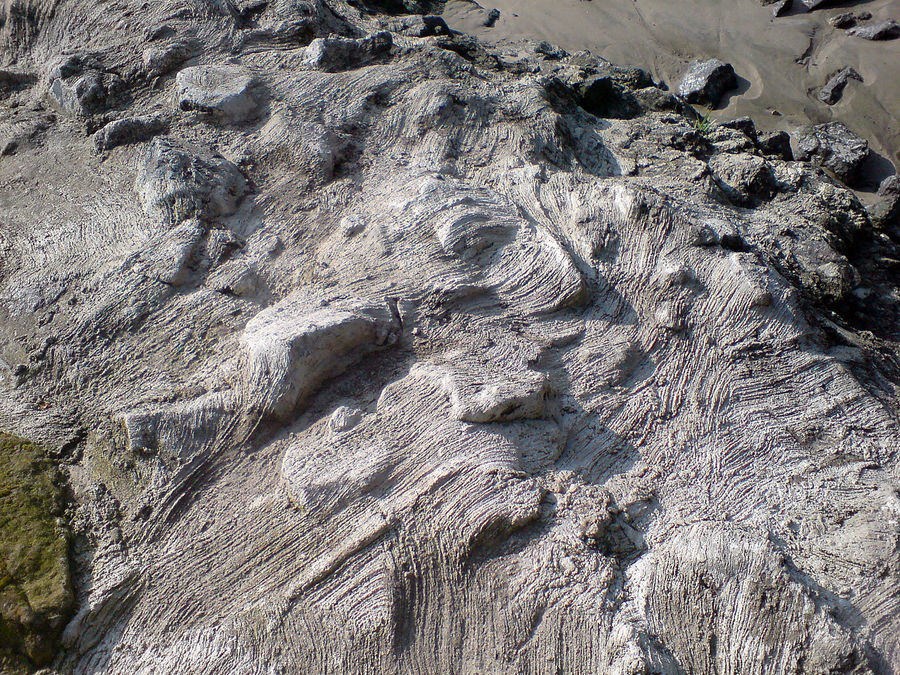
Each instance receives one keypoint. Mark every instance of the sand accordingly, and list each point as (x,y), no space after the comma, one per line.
(781,62)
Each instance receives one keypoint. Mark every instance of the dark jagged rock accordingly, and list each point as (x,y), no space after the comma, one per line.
(491,18)
(886,211)
(834,147)
(782,7)
(775,144)
(603,96)
(550,51)
(705,82)
(743,124)
(833,90)
(652,98)
(882,30)
(844,20)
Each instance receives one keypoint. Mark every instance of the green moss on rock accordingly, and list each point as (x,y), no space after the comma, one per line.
(35,588)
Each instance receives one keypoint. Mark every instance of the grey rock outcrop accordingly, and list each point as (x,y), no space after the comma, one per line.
(228,94)
(333,54)
(433,364)
(85,94)
(175,184)
(129,130)
(163,59)
(782,7)
(707,81)
(834,147)
(887,29)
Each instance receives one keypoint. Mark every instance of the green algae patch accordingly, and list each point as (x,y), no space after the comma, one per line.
(35,587)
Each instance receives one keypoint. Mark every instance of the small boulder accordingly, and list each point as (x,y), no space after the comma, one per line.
(176,184)
(228,94)
(491,18)
(706,81)
(832,92)
(834,147)
(129,130)
(336,54)
(882,30)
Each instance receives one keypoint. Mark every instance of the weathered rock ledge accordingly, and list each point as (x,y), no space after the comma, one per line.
(369,350)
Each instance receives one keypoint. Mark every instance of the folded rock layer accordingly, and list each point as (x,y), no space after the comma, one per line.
(367,349)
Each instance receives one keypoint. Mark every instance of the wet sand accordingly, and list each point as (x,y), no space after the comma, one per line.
(781,62)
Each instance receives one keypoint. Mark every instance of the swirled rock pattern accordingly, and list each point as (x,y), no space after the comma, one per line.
(428,366)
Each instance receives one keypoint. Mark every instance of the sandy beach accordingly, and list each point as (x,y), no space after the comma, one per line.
(781,62)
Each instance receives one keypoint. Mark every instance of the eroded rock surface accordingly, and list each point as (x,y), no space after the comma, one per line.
(409,355)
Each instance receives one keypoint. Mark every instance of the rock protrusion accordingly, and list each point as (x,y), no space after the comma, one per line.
(161,60)
(291,348)
(744,178)
(129,130)
(227,94)
(886,211)
(336,54)
(175,183)
(166,258)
